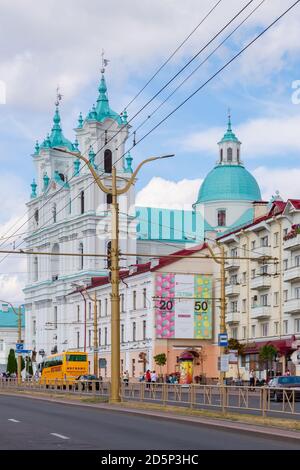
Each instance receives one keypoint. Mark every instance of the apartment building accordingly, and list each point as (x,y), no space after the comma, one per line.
(263,284)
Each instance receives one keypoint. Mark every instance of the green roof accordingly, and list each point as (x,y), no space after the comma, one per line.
(102,110)
(229,183)
(10,319)
(56,138)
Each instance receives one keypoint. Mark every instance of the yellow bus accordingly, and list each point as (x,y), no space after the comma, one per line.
(64,367)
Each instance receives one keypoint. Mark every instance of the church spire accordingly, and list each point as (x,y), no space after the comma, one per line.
(229,146)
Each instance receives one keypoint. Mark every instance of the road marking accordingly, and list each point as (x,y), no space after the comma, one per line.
(13,420)
(59,435)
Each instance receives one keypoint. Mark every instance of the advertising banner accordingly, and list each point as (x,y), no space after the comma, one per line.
(183,306)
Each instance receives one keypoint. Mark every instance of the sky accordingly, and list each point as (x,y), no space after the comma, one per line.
(51,43)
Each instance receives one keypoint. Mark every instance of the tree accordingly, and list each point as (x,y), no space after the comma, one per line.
(160,360)
(12,362)
(267,354)
(234,344)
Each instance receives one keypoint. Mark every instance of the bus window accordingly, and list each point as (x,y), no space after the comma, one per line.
(76,357)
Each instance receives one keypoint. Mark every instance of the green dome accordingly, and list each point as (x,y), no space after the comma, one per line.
(229,183)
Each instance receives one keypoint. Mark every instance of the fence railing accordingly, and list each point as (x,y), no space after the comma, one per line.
(256,400)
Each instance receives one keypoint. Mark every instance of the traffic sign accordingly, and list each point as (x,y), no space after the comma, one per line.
(19,346)
(23,351)
(223,339)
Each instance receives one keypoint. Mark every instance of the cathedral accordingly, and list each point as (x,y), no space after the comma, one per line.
(67,213)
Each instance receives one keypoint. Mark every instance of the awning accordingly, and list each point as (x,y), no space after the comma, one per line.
(283,345)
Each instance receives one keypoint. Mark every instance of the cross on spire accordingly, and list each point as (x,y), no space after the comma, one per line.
(58,96)
(104,62)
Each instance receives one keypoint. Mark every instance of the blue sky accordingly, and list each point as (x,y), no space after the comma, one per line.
(43,45)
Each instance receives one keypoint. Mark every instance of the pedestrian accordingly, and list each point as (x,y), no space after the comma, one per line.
(153,376)
(287,373)
(148,378)
(252,379)
(126,378)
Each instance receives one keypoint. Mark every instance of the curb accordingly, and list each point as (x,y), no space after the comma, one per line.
(275,432)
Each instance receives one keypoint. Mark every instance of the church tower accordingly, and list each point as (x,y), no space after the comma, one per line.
(226,195)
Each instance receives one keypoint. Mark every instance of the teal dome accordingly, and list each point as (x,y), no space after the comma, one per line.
(229,183)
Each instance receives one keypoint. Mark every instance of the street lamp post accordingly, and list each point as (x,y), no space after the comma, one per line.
(115,268)
(19,315)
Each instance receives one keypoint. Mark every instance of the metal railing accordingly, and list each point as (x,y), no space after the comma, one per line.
(263,401)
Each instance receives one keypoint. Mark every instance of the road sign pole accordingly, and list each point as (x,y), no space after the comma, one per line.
(19,341)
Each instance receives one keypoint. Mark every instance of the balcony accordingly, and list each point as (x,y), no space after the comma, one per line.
(292,306)
(232,289)
(261,282)
(261,312)
(261,252)
(232,317)
(232,264)
(292,274)
(292,243)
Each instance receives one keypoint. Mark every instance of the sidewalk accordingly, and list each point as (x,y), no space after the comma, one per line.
(177,415)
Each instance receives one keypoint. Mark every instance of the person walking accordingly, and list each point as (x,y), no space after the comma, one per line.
(153,377)
(252,379)
(148,378)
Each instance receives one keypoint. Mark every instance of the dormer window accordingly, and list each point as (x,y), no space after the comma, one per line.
(229,154)
(221,218)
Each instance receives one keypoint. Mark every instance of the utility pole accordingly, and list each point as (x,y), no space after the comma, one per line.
(95,336)
(221,261)
(115,267)
(19,341)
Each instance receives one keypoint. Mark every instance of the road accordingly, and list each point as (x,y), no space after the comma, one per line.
(26,423)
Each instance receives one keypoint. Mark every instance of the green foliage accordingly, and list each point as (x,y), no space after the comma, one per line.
(160,359)
(267,352)
(12,362)
(234,344)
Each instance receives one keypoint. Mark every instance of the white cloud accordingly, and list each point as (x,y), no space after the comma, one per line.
(285,180)
(260,137)
(163,193)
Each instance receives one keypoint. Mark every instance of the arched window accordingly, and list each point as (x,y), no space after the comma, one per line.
(221,218)
(35,269)
(36,216)
(82,202)
(55,262)
(229,154)
(107,161)
(62,176)
(238,155)
(54,213)
(81,258)
(108,198)
(108,252)
(221,155)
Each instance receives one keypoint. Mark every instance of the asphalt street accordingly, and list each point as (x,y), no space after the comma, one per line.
(27,423)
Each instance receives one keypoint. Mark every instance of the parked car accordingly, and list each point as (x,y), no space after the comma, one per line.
(86,382)
(278,384)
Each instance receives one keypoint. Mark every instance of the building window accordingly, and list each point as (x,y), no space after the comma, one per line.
(285,264)
(276,297)
(276,327)
(221,155)
(90,310)
(264,300)
(285,295)
(122,303)
(78,340)
(99,308)
(122,333)
(234,280)
(253,245)
(264,270)
(81,258)
(285,232)
(264,241)
(244,278)
(134,300)
(276,239)
(297,325)
(134,331)
(145,298)
(244,332)
(234,333)
(105,307)
(229,154)
(133,367)
(90,338)
(78,313)
(253,328)
(34,327)
(82,202)
(36,216)
(238,155)
(55,317)
(297,292)
(297,261)
(244,303)
(264,329)
(233,252)
(144,329)
(108,199)
(234,306)
(99,337)
(221,218)
(285,327)
(252,273)
(107,161)
(105,336)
